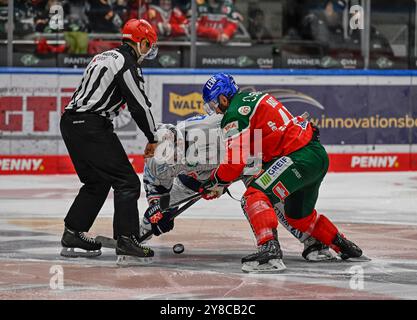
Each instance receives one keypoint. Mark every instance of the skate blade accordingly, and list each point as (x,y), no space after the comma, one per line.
(106,242)
(317,257)
(362,258)
(126,261)
(272,266)
(79,253)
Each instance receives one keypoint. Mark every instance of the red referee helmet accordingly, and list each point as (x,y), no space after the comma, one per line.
(137,30)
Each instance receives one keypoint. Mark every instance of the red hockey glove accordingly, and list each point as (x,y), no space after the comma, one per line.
(214,187)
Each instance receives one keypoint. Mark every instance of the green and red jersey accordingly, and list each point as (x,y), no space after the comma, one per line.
(251,114)
(212,22)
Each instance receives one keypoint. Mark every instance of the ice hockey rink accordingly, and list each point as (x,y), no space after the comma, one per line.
(375,210)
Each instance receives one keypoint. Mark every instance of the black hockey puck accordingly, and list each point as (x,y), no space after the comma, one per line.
(178,248)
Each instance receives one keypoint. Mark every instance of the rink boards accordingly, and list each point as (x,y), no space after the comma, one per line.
(367,119)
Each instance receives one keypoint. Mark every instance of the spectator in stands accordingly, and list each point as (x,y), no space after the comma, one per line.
(326,26)
(184,6)
(295,11)
(3,18)
(77,19)
(138,8)
(256,28)
(23,17)
(121,12)
(167,20)
(217,20)
(100,15)
(43,15)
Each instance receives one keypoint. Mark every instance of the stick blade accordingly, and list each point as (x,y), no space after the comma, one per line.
(107,242)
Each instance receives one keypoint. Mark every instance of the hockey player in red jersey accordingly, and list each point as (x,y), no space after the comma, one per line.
(294,165)
(166,20)
(217,20)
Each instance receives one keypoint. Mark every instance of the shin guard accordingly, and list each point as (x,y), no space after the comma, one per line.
(260,214)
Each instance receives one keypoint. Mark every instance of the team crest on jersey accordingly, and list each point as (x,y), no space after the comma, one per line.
(226,10)
(244,110)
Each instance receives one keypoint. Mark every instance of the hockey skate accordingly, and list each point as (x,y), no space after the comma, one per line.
(316,251)
(267,260)
(76,244)
(348,250)
(129,252)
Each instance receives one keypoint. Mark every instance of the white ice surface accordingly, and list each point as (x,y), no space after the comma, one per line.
(344,197)
(387,198)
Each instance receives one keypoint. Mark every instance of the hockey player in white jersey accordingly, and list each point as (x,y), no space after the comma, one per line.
(185,158)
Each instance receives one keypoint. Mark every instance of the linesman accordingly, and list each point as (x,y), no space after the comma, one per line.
(111,79)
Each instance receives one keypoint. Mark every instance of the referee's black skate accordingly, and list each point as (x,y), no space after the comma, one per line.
(267,260)
(348,250)
(130,252)
(76,244)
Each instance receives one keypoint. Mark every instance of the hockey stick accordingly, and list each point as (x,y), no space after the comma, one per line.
(108,242)
(193,200)
(231,196)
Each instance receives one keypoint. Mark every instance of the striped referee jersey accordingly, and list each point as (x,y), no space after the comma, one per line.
(110,80)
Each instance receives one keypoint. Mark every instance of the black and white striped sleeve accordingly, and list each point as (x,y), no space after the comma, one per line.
(133,91)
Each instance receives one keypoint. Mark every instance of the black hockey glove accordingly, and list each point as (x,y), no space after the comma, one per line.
(316,132)
(160,221)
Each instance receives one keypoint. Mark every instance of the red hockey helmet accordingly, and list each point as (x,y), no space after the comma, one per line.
(137,30)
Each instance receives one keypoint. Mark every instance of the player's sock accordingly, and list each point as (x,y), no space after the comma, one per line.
(318,226)
(76,244)
(130,252)
(321,228)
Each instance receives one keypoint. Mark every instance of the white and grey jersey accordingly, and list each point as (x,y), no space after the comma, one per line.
(203,154)
(110,80)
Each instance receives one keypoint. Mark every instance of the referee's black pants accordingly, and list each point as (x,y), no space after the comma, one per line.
(101,163)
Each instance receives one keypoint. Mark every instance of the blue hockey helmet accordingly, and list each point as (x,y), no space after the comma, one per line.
(220,83)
